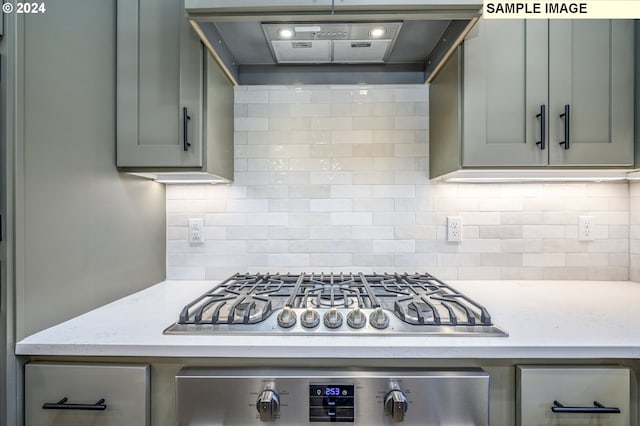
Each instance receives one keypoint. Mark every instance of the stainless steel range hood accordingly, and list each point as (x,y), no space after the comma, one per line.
(331,41)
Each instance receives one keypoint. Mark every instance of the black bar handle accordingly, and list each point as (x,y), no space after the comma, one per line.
(543,119)
(566,141)
(185,133)
(62,405)
(596,409)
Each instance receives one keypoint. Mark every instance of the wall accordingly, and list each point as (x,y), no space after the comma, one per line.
(86,235)
(634,232)
(334,178)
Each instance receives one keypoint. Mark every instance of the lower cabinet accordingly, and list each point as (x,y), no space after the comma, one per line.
(64,394)
(573,396)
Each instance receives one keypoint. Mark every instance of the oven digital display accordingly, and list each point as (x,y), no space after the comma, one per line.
(331,403)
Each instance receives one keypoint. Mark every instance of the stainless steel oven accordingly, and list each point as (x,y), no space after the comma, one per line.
(294,397)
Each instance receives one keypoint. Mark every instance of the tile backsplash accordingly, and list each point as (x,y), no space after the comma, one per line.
(335,178)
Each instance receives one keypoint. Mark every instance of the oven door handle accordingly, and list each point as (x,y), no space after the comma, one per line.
(596,409)
(62,405)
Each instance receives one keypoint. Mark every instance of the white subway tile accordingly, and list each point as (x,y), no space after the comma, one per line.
(351,136)
(330,178)
(543,259)
(410,123)
(331,205)
(267,246)
(333,123)
(287,260)
(289,205)
(372,232)
(351,218)
(394,218)
(310,110)
(267,218)
(374,123)
(251,123)
(252,97)
(289,96)
(288,232)
(330,232)
(394,246)
(331,261)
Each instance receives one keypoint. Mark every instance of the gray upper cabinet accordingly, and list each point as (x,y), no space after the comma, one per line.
(505,83)
(159,74)
(518,77)
(591,69)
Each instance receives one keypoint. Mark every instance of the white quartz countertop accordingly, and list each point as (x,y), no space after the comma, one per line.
(544,319)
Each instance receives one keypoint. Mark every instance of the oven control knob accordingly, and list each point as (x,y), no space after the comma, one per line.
(356,319)
(286,318)
(268,405)
(395,405)
(310,318)
(379,319)
(333,318)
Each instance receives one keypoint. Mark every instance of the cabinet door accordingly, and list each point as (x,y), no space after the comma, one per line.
(159,71)
(505,84)
(119,394)
(591,70)
(539,386)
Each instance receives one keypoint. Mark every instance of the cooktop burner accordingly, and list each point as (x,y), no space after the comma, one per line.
(302,304)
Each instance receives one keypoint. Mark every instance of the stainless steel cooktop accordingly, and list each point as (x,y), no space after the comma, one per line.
(337,304)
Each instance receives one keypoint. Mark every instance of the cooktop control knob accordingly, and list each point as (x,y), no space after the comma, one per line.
(395,405)
(379,319)
(356,319)
(333,318)
(310,318)
(268,405)
(286,318)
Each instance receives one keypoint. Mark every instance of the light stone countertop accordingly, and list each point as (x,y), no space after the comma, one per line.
(544,319)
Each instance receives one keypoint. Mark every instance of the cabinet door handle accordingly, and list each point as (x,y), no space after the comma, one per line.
(62,405)
(185,133)
(543,118)
(596,409)
(566,141)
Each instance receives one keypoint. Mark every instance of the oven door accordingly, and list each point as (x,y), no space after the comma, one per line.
(573,396)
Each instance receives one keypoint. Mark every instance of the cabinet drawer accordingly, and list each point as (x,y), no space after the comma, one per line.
(539,386)
(123,387)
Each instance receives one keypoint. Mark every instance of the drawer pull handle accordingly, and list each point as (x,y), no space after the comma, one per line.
(596,409)
(62,405)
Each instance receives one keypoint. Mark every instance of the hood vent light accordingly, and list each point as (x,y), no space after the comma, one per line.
(286,33)
(377,32)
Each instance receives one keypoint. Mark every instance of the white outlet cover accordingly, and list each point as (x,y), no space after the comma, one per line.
(196,231)
(454,228)
(586,228)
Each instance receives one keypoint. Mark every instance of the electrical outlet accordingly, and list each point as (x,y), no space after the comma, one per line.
(586,225)
(454,228)
(196,231)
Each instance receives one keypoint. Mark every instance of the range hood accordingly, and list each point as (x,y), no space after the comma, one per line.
(331,41)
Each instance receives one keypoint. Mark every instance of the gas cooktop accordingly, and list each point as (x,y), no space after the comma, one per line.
(340,303)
